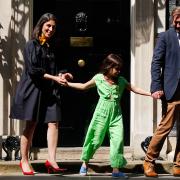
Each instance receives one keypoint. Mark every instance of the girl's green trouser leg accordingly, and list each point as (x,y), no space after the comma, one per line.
(116,135)
(95,136)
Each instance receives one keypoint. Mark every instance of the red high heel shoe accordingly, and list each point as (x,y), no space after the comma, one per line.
(52,169)
(26,173)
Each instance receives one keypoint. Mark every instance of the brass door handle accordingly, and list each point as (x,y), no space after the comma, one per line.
(81,63)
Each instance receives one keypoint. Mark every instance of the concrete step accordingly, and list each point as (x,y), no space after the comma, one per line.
(70,158)
(74,153)
(95,166)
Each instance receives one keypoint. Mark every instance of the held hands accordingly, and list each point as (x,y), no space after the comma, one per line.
(67,76)
(64,78)
(157,94)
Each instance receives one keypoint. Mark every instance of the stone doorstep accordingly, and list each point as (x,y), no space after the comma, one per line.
(70,159)
(74,153)
(12,167)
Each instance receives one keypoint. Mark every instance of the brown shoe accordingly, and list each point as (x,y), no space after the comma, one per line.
(149,169)
(176,171)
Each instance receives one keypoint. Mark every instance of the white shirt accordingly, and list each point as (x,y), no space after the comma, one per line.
(178,35)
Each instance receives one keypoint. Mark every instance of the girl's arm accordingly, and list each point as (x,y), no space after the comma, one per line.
(137,90)
(82,86)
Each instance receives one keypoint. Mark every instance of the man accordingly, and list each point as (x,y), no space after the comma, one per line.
(165,85)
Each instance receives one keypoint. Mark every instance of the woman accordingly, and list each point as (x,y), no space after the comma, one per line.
(37,97)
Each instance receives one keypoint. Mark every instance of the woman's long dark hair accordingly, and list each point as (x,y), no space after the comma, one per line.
(111,61)
(43,19)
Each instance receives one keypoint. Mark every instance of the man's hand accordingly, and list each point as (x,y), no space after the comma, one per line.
(157,94)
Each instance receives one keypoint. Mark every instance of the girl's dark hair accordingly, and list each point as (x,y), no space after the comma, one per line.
(111,61)
(43,19)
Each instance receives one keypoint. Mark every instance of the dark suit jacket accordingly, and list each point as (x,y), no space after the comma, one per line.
(165,67)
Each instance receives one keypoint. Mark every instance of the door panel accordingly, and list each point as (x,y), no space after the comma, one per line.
(87,30)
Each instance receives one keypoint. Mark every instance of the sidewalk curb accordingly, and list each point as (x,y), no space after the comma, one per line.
(12,167)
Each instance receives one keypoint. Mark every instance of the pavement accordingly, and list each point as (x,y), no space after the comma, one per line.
(98,167)
(10,170)
(72,166)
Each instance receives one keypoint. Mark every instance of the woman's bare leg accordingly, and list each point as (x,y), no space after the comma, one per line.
(26,141)
(52,140)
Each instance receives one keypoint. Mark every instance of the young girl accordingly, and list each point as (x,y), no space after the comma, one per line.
(107,116)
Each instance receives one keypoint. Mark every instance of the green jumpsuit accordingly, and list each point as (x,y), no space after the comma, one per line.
(107,117)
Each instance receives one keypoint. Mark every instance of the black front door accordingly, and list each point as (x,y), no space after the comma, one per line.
(88,31)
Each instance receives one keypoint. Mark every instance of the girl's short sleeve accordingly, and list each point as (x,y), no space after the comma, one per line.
(122,81)
(97,78)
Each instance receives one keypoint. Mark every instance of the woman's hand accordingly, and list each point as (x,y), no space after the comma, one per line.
(66,76)
(59,79)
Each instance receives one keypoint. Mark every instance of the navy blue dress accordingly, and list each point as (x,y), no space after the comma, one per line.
(36,98)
